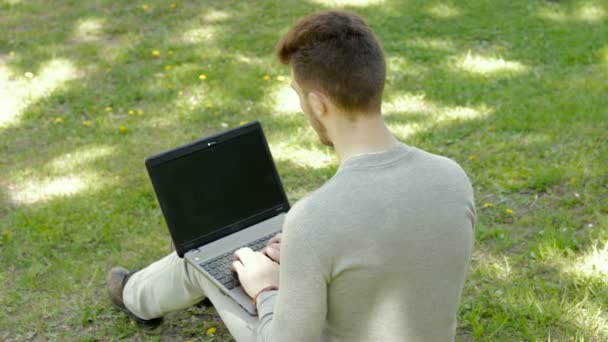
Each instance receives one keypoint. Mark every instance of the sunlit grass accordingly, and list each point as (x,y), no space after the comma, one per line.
(19,91)
(44,189)
(71,161)
(593,264)
(353,3)
(286,100)
(442,10)
(88,30)
(489,65)
(199,35)
(584,12)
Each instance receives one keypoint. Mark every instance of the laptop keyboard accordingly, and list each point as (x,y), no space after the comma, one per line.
(221,267)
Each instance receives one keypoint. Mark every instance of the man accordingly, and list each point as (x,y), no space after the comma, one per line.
(378,253)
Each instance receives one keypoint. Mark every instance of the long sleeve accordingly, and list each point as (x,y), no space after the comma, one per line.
(297,312)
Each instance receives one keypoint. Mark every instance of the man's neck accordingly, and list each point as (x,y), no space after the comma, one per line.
(366,134)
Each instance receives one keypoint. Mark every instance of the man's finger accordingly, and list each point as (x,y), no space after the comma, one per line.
(276,246)
(238,267)
(272,253)
(274,239)
(244,254)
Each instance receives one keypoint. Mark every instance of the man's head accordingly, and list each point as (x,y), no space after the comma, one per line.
(337,64)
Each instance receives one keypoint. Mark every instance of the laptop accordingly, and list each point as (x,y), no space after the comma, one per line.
(217,195)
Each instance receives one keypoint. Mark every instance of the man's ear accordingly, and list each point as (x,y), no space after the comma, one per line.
(318,103)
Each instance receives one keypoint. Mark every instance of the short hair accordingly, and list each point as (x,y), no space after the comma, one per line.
(336,52)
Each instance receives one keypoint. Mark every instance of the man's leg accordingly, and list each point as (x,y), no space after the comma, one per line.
(171,284)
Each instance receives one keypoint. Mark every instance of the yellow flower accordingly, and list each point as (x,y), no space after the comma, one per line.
(509,211)
(173,5)
(471,157)
(266,77)
(280,78)
(573,180)
(487,205)
(108,109)
(58,120)
(243,122)
(208,105)
(202,77)
(155,53)
(140,112)
(168,67)
(86,123)
(211,331)
(144,7)
(131,112)
(28,75)
(122,129)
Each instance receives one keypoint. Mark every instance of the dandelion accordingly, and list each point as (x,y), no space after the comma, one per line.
(173,5)
(488,205)
(266,77)
(86,123)
(155,53)
(144,7)
(211,331)
(140,112)
(122,129)
(168,67)
(509,211)
(108,108)
(243,122)
(202,77)
(281,78)
(131,112)
(573,180)
(28,75)
(471,157)
(58,120)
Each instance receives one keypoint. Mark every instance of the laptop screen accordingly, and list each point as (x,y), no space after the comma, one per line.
(208,191)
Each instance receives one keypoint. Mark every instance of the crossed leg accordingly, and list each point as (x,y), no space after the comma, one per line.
(170,284)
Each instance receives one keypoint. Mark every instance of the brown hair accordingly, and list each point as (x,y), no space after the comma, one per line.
(337,53)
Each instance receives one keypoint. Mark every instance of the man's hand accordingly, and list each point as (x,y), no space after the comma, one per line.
(273,248)
(256,271)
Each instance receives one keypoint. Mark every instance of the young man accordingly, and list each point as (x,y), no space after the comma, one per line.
(378,253)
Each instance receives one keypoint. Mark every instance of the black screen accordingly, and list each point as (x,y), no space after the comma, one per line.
(216,187)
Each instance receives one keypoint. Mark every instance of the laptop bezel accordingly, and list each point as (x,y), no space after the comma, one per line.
(182,247)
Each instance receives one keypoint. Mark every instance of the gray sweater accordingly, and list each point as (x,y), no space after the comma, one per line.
(378,253)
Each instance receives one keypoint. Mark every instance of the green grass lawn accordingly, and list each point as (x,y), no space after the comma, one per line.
(515,91)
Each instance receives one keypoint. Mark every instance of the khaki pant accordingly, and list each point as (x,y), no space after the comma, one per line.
(171,284)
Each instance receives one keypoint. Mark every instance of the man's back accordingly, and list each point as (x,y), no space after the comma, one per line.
(391,236)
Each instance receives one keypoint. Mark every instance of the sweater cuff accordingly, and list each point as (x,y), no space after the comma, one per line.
(265,302)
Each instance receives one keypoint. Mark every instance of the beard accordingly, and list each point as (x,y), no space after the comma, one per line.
(317,125)
(321,131)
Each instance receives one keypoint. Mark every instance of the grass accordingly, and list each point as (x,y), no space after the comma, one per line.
(515,91)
